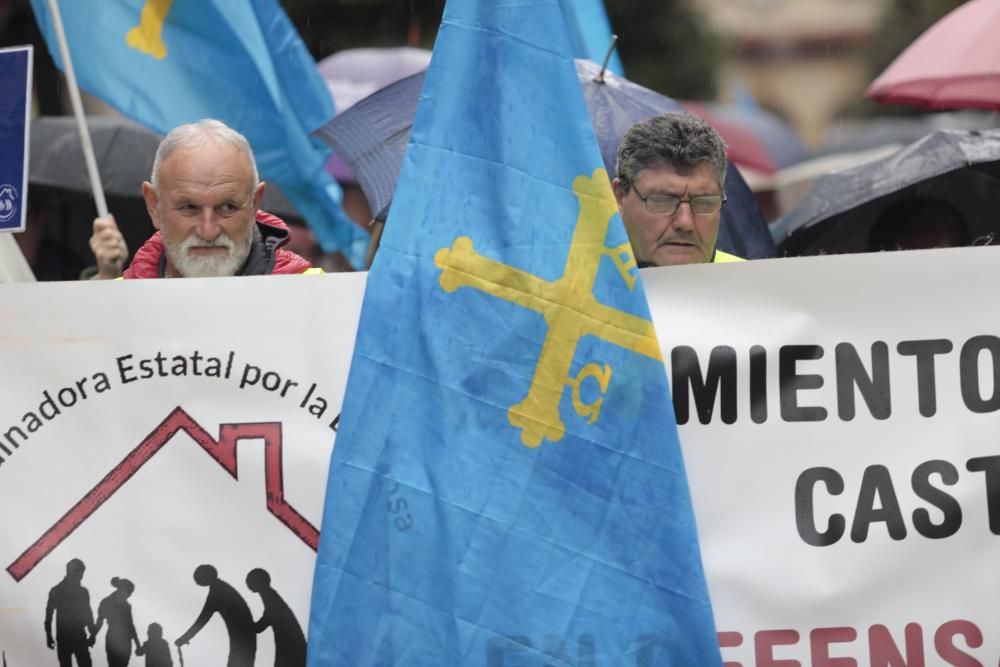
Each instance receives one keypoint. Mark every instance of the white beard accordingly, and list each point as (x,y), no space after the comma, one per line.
(208,266)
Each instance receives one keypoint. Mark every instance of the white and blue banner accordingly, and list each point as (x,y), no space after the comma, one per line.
(163,470)
(15,110)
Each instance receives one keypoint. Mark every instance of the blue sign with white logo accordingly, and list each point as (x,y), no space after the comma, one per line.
(15,93)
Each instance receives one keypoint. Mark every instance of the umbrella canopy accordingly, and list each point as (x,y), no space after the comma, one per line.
(615,104)
(960,168)
(792,183)
(354,74)
(372,136)
(124,151)
(955,64)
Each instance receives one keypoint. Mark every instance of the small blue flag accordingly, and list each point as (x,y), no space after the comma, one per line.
(590,32)
(15,110)
(168,62)
(507,486)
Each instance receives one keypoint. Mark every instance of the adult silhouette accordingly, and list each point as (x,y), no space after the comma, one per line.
(289,640)
(225,601)
(121,635)
(69,603)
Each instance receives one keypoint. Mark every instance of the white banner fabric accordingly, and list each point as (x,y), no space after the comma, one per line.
(848,509)
(152,427)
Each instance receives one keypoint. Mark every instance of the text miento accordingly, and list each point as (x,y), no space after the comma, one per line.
(866,373)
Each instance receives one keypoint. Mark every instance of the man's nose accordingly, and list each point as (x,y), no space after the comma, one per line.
(684,216)
(208,227)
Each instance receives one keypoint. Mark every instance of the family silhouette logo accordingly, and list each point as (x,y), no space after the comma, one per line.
(8,202)
(72,631)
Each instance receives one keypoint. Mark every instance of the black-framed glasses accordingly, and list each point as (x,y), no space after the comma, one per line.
(668,204)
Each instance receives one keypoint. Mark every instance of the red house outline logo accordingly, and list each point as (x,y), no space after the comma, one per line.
(222,450)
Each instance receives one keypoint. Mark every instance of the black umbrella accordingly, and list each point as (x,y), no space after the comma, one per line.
(59,190)
(123,151)
(953,170)
(372,135)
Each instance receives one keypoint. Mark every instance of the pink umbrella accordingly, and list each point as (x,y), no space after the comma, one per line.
(955,64)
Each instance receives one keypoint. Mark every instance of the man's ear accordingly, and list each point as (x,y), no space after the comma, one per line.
(152,203)
(619,190)
(258,195)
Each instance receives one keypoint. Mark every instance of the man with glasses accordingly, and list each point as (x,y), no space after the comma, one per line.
(671,169)
(203,197)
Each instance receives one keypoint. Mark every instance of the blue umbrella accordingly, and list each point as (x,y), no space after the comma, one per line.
(372,135)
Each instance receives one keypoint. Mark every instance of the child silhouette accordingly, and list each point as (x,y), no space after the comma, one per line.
(155,648)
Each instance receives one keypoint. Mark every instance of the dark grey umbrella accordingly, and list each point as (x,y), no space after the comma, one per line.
(372,135)
(124,151)
(959,167)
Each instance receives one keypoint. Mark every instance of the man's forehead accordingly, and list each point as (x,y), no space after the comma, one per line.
(667,173)
(181,192)
(200,170)
(686,171)
(207,158)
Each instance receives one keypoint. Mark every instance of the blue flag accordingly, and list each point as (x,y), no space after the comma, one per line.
(507,486)
(15,113)
(590,32)
(168,62)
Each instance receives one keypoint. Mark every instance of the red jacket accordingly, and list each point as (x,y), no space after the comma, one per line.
(266,254)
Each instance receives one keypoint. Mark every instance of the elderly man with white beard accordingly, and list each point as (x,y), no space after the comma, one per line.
(203,199)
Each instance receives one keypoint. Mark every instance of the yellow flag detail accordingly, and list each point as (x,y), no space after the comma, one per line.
(603,376)
(568,306)
(147,37)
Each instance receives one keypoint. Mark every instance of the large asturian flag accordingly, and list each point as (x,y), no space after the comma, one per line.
(507,485)
(168,62)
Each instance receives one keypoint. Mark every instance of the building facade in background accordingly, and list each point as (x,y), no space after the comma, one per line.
(803,59)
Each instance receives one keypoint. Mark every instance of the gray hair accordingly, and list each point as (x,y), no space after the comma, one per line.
(198,134)
(677,139)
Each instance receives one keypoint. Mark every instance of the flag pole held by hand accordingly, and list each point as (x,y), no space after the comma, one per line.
(74,96)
